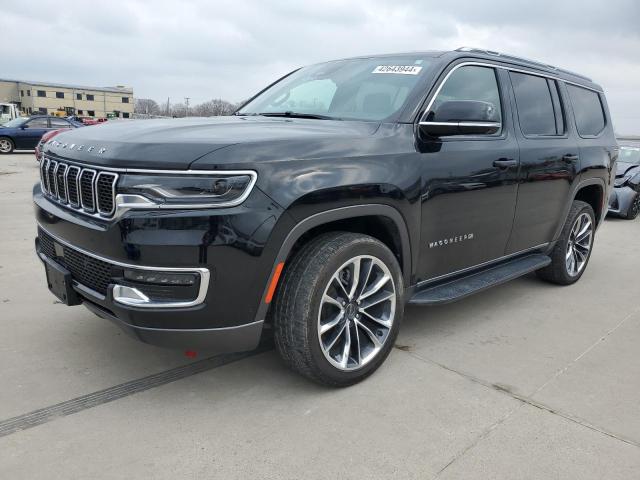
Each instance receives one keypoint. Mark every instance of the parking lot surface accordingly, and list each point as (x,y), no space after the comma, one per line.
(526,380)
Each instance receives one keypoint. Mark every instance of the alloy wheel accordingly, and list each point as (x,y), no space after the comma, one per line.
(5,145)
(579,244)
(357,311)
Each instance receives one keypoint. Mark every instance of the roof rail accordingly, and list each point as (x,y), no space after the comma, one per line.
(533,63)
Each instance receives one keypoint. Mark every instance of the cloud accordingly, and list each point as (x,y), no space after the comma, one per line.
(231,49)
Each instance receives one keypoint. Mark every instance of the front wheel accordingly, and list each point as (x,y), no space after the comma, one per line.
(572,251)
(339,308)
(6,145)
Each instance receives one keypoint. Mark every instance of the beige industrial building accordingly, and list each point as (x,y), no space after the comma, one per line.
(62,100)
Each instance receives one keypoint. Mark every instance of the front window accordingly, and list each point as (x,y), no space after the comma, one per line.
(16,122)
(359,89)
(629,155)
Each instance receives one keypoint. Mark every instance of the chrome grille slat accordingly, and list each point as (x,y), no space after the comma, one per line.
(61,186)
(86,190)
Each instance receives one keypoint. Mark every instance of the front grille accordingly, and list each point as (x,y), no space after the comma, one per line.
(86,190)
(88,271)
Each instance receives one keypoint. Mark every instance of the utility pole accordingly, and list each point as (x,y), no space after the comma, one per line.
(168,107)
(186,101)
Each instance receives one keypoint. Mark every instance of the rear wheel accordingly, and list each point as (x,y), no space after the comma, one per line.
(6,145)
(572,251)
(339,308)
(634,208)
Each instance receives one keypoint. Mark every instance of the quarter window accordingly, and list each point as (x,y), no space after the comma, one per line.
(588,110)
(470,83)
(537,101)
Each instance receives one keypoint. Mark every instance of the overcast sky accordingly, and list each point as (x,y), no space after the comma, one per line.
(230,49)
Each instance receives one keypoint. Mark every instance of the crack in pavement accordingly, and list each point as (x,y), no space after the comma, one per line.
(527,400)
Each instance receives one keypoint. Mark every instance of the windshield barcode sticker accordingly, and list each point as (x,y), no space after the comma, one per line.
(399,69)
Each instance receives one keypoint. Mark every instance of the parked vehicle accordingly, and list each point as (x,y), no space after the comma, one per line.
(45,138)
(332,198)
(25,133)
(8,111)
(624,200)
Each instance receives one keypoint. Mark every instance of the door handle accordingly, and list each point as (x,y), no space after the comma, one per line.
(505,163)
(569,158)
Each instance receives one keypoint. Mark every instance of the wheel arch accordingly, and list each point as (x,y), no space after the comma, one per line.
(346,218)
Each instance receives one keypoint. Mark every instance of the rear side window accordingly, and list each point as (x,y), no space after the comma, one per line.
(588,110)
(538,104)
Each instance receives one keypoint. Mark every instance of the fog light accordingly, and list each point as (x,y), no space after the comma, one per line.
(161,278)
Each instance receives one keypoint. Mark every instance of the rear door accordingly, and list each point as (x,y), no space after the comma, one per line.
(469,181)
(549,158)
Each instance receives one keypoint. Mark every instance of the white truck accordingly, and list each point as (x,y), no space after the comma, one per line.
(8,111)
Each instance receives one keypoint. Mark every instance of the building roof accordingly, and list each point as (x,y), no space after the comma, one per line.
(66,85)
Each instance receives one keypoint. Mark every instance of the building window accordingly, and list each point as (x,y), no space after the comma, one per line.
(22,93)
(28,93)
(125,99)
(90,97)
(59,94)
(91,113)
(42,93)
(30,111)
(78,96)
(79,112)
(125,114)
(42,110)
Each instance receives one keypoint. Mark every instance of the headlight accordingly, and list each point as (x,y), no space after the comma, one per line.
(190,190)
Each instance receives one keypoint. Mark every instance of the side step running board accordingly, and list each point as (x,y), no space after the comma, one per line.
(462,287)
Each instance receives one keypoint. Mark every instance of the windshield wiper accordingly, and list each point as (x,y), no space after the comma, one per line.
(297,115)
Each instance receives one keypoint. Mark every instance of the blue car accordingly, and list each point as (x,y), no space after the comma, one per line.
(25,133)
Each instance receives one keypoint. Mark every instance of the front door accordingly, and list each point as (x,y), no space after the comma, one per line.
(30,135)
(469,182)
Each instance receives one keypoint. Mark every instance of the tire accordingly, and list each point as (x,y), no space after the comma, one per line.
(572,251)
(634,208)
(6,145)
(311,333)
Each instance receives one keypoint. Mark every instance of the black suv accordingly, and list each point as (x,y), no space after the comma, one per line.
(329,201)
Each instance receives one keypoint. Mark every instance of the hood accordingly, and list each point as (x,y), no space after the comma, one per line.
(177,143)
(622,168)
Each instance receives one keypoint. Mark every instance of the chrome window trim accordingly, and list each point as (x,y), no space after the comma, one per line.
(466,124)
(203,272)
(93,193)
(496,66)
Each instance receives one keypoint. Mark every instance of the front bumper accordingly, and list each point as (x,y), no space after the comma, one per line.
(228,249)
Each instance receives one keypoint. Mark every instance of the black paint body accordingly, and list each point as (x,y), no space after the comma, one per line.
(422,196)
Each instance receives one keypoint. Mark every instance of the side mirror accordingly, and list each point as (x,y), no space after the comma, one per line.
(23,126)
(462,117)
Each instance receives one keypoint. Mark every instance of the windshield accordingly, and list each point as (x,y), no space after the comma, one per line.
(16,122)
(629,155)
(359,89)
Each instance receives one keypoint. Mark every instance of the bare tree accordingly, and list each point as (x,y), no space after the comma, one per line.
(213,108)
(146,106)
